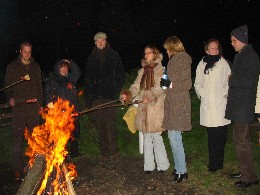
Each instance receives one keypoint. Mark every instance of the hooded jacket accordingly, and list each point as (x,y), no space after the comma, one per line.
(63,86)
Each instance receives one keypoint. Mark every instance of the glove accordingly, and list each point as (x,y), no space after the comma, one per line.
(165,82)
(126,97)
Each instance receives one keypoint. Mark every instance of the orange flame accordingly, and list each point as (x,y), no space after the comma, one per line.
(50,140)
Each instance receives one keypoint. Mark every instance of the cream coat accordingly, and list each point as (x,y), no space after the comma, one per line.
(212,90)
(149,116)
(257,105)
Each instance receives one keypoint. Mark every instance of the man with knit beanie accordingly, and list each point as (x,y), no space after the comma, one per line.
(241,104)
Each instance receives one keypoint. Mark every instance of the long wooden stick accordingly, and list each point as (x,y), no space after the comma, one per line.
(102,107)
(24,78)
(7,105)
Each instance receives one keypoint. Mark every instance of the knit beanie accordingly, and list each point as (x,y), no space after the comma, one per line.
(100,35)
(241,33)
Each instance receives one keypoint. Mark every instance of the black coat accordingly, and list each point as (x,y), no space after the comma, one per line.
(63,87)
(103,80)
(243,86)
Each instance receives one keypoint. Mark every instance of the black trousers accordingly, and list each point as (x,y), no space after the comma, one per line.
(105,123)
(74,141)
(19,122)
(217,138)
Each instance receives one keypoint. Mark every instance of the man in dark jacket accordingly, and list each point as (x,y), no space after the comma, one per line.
(103,81)
(63,84)
(241,103)
(23,114)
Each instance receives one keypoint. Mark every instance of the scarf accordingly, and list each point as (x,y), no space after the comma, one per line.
(211,61)
(147,81)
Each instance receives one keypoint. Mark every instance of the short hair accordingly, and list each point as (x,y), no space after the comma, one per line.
(25,43)
(206,45)
(174,45)
(154,50)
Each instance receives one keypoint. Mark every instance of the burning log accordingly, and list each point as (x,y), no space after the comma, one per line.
(33,179)
(35,176)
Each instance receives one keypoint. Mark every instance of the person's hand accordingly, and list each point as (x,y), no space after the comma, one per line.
(126,97)
(123,98)
(146,101)
(12,102)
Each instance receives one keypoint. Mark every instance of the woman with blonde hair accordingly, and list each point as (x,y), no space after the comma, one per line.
(177,105)
(211,85)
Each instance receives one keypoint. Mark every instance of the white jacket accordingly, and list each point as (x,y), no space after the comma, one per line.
(212,90)
(257,104)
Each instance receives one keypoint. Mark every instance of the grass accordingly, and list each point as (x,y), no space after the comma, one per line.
(195,144)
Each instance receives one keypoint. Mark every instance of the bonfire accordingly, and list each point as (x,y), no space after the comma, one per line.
(49,142)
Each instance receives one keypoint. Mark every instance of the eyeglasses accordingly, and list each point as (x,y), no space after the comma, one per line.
(148,53)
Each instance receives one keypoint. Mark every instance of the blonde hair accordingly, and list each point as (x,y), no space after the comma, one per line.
(174,45)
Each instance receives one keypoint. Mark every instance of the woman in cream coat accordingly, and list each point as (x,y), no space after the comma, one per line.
(151,111)
(211,85)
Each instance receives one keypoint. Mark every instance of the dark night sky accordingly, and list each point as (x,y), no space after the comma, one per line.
(65,28)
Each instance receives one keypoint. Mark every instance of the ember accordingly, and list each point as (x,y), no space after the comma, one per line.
(50,140)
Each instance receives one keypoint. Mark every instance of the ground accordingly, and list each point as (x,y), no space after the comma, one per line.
(124,176)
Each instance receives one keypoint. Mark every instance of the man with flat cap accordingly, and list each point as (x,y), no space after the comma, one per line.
(104,78)
(241,104)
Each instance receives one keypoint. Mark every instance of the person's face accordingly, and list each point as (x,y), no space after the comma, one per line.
(26,53)
(213,48)
(148,54)
(238,45)
(101,43)
(64,71)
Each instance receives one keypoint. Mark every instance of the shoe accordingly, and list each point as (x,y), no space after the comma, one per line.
(235,175)
(102,159)
(212,170)
(174,172)
(244,184)
(148,172)
(161,171)
(180,177)
(115,156)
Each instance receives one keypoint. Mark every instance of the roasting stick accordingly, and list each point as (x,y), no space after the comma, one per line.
(24,78)
(103,106)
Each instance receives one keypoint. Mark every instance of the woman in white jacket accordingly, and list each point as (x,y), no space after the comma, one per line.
(211,85)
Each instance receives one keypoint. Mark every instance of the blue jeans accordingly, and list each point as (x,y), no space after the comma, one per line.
(175,138)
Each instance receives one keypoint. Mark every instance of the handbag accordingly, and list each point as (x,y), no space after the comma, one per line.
(129,118)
